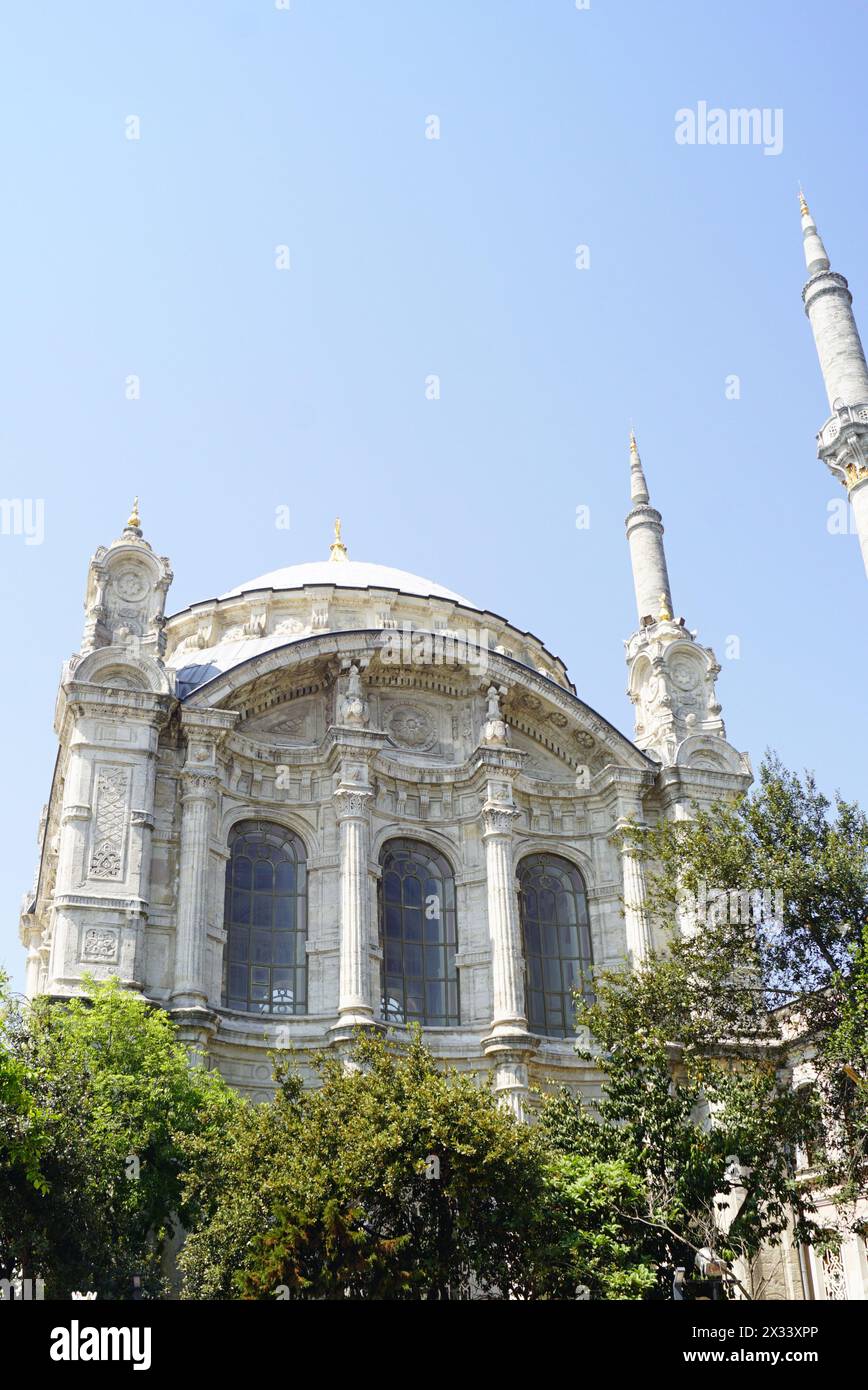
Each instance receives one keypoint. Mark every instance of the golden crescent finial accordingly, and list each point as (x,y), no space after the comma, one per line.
(802,204)
(634,447)
(133,518)
(337,549)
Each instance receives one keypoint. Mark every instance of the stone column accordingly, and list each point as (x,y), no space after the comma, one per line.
(352,806)
(507,957)
(636,920)
(198,800)
(509,1045)
(205,730)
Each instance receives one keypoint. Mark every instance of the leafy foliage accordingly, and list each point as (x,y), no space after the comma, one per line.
(92,1195)
(392,1179)
(799,976)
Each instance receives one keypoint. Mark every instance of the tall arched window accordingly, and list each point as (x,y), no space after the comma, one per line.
(265,962)
(557,941)
(417,932)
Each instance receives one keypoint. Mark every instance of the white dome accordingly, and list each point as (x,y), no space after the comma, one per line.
(348,574)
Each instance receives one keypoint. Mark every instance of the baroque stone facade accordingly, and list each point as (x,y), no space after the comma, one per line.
(352,708)
(353,720)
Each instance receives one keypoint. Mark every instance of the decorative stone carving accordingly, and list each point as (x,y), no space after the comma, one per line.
(410,726)
(126,593)
(672,685)
(495,730)
(112,790)
(354,706)
(100,944)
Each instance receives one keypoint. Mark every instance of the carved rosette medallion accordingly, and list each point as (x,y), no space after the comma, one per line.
(411,727)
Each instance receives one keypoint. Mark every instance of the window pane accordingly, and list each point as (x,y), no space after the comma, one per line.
(285,878)
(242,874)
(263,876)
(417,930)
(267,968)
(263,909)
(558,952)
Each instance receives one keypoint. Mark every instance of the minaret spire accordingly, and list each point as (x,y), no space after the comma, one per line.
(638,485)
(645,537)
(672,677)
(843,440)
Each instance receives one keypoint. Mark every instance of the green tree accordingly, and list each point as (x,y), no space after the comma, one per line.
(780,955)
(109,1090)
(393,1178)
(707,1144)
(764,906)
(599,1248)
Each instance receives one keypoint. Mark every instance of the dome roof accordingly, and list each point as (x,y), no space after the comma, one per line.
(348,574)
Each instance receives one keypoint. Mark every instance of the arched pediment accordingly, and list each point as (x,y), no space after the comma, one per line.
(118,668)
(552,718)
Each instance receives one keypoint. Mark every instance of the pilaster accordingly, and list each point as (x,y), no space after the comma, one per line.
(200,779)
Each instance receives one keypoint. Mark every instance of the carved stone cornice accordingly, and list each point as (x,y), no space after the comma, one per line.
(80,700)
(215,721)
(133,906)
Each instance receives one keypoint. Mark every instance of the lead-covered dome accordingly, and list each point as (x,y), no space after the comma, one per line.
(298,603)
(348,574)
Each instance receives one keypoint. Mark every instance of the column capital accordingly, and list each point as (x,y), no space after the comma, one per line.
(352,803)
(199,784)
(498,820)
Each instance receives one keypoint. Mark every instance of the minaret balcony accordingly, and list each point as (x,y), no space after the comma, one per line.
(848,419)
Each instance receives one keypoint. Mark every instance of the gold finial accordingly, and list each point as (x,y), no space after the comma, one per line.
(337,549)
(133,518)
(802,204)
(634,447)
(664,615)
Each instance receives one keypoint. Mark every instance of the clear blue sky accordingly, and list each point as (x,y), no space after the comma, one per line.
(305,127)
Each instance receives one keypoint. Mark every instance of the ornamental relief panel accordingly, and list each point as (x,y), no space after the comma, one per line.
(294,722)
(412,727)
(100,944)
(128,599)
(109,823)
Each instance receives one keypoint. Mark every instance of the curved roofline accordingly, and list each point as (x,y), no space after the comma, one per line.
(377,632)
(354,589)
(356,574)
(350,589)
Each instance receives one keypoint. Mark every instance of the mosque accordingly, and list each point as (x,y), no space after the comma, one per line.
(343,795)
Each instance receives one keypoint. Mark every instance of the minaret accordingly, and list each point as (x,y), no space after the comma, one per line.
(842,443)
(645,537)
(672,677)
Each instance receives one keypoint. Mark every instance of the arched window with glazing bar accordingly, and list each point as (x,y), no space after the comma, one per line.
(557,942)
(265,960)
(418,936)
